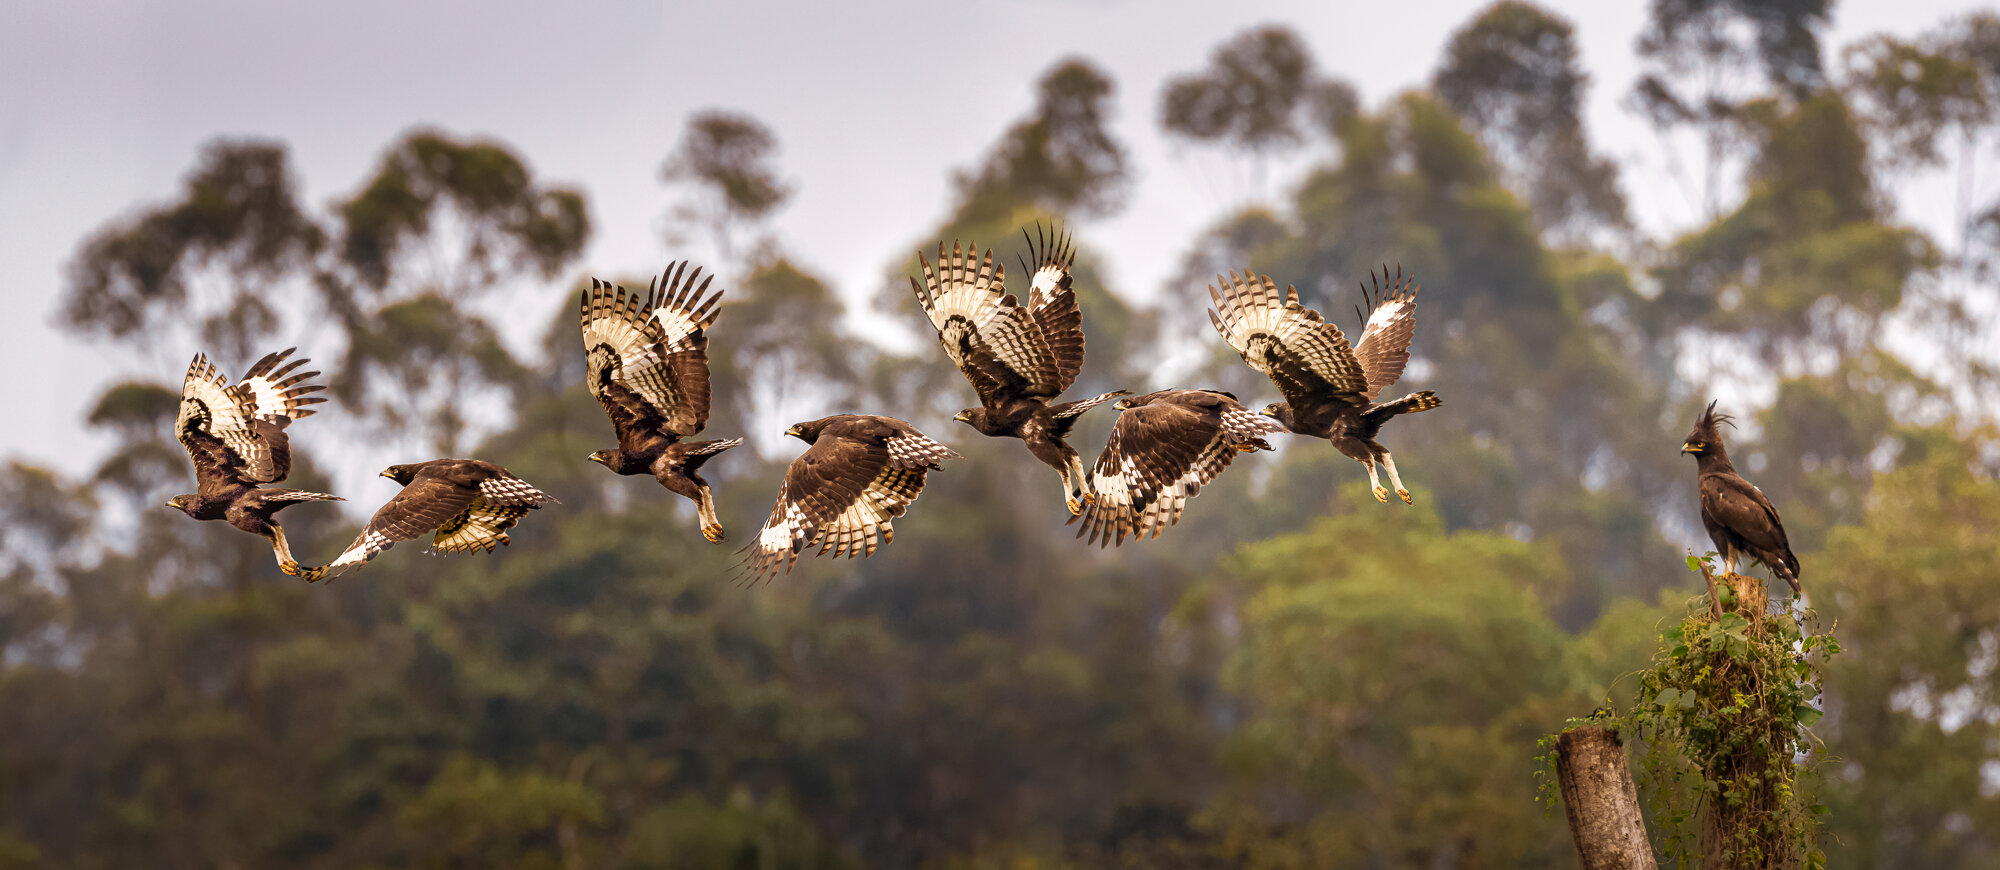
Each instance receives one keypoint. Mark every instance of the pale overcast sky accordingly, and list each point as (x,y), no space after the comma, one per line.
(105,105)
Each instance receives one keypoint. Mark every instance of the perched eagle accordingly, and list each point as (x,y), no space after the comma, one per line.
(236,437)
(1165,447)
(648,366)
(1329,387)
(1739,519)
(1018,359)
(860,473)
(469,503)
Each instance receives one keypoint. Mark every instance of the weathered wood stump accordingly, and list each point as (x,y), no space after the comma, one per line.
(1601,801)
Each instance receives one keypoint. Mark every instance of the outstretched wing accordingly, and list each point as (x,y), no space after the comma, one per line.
(841,494)
(465,518)
(237,432)
(647,358)
(1053,302)
(427,503)
(1384,348)
(997,344)
(1307,357)
(1160,455)
(683,310)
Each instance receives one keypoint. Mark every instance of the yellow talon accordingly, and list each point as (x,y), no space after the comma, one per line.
(1075,506)
(1406,496)
(712,533)
(1382,495)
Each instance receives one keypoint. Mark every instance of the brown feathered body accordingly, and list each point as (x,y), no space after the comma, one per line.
(235,436)
(859,473)
(1739,518)
(1018,358)
(1330,387)
(466,505)
(647,363)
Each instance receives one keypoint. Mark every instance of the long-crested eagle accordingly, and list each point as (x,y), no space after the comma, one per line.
(647,363)
(1739,519)
(1018,359)
(1329,387)
(235,433)
(469,504)
(1165,447)
(861,472)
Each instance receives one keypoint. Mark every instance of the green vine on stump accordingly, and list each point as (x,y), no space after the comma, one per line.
(1724,712)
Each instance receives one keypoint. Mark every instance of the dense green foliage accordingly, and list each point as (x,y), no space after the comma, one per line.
(1295,676)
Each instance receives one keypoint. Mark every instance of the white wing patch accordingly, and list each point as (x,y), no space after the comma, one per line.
(482,526)
(967,303)
(1266,327)
(1141,502)
(623,347)
(276,391)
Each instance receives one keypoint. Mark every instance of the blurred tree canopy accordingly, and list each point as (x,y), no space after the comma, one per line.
(1293,677)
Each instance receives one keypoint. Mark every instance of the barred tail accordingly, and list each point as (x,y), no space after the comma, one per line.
(282,498)
(1409,404)
(1072,409)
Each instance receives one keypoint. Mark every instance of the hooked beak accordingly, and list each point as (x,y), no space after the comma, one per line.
(595,457)
(171,505)
(795,432)
(1691,447)
(963,416)
(385,473)
(1121,404)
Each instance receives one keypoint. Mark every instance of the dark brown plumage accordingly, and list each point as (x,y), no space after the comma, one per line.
(469,503)
(1739,519)
(860,473)
(647,363)
(1329,387)
(1018,359)
(1164,448)
(235,434)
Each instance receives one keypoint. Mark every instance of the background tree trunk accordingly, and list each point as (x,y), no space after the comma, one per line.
(1601,801)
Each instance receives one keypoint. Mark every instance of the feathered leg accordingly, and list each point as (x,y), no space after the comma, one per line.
(711,528)
(1389,463)
(283,550)
(1381,495)
(1078,474)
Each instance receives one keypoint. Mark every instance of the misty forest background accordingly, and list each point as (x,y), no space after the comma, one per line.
(1295,676)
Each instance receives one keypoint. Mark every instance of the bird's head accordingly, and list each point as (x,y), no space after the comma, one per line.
(807,431)
(600,457)
(971,417)
(1122,404)
(402,474)
(1280,412)
(1706,437)
(181,503)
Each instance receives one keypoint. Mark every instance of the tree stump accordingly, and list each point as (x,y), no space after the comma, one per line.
(1601,801)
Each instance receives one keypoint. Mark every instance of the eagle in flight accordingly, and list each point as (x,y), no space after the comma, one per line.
(1739,519)
(1165,447)
(1018,359)
(1330,389)
(861,472)
(647,363)
(235,434)
(468,503)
